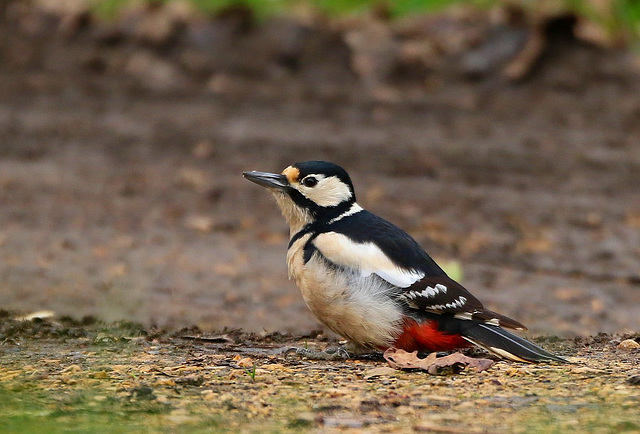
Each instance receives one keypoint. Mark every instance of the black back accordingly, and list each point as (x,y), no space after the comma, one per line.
(399,246)
(364,227)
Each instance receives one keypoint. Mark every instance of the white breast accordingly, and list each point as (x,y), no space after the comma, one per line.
(354,306)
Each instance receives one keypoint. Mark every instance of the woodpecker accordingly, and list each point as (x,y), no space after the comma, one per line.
(370,282)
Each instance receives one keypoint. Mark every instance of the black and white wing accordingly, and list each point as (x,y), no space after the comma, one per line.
(443,295)
(382,243)
(366,257)
(376,246)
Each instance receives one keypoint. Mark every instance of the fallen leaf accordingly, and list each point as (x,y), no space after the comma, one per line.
(434,365)
(379,372)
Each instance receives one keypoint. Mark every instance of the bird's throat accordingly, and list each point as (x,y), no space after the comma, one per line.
(296,216)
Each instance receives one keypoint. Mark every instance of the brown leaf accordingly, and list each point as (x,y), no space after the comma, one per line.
(434,365)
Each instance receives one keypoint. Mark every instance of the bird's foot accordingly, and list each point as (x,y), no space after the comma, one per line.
(331,353)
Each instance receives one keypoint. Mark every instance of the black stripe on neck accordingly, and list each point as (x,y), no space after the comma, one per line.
(323,217)
(301,233)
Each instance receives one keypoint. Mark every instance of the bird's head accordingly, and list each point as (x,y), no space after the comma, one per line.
(308,191)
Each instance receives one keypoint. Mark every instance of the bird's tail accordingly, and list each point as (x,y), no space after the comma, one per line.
(507,345)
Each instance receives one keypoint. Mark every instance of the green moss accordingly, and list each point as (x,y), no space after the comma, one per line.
(29,410)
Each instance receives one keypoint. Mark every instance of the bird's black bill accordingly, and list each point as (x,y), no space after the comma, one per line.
(269,180)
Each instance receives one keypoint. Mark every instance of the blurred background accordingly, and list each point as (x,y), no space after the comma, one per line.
(503,135)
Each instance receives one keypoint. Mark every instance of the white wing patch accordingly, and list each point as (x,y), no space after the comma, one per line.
(428,292)
(456,304)
(366,257)
(432,292)
(468,316)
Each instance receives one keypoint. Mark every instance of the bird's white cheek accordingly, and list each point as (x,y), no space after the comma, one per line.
(329,192)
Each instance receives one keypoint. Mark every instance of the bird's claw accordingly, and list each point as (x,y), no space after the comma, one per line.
(332,353)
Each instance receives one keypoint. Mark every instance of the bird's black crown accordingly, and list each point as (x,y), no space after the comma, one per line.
(318,167)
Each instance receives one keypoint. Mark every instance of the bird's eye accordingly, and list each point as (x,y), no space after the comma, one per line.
(309,181)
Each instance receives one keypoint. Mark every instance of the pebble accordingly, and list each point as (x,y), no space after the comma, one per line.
(629,344)
(246,362)
(381,371)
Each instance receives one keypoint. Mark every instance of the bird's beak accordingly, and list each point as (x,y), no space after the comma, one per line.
(269,180)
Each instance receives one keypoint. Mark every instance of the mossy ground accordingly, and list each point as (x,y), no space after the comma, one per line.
(61,376)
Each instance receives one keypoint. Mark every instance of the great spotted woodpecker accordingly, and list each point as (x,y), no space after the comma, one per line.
(370,282)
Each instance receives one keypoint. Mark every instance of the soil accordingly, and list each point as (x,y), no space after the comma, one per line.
(58,375)
(122,146)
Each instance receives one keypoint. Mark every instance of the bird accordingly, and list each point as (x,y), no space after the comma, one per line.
(370,282)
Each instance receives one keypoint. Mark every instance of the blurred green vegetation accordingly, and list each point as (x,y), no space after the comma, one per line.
(627,13)
(265,8)
(612,16)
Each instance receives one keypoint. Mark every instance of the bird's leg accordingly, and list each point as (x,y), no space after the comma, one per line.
(331,353)
(342,352)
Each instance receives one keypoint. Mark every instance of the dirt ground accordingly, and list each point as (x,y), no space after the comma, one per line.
(61,376)
(121,152)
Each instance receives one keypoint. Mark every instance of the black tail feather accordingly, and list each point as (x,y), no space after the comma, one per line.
(508,345)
